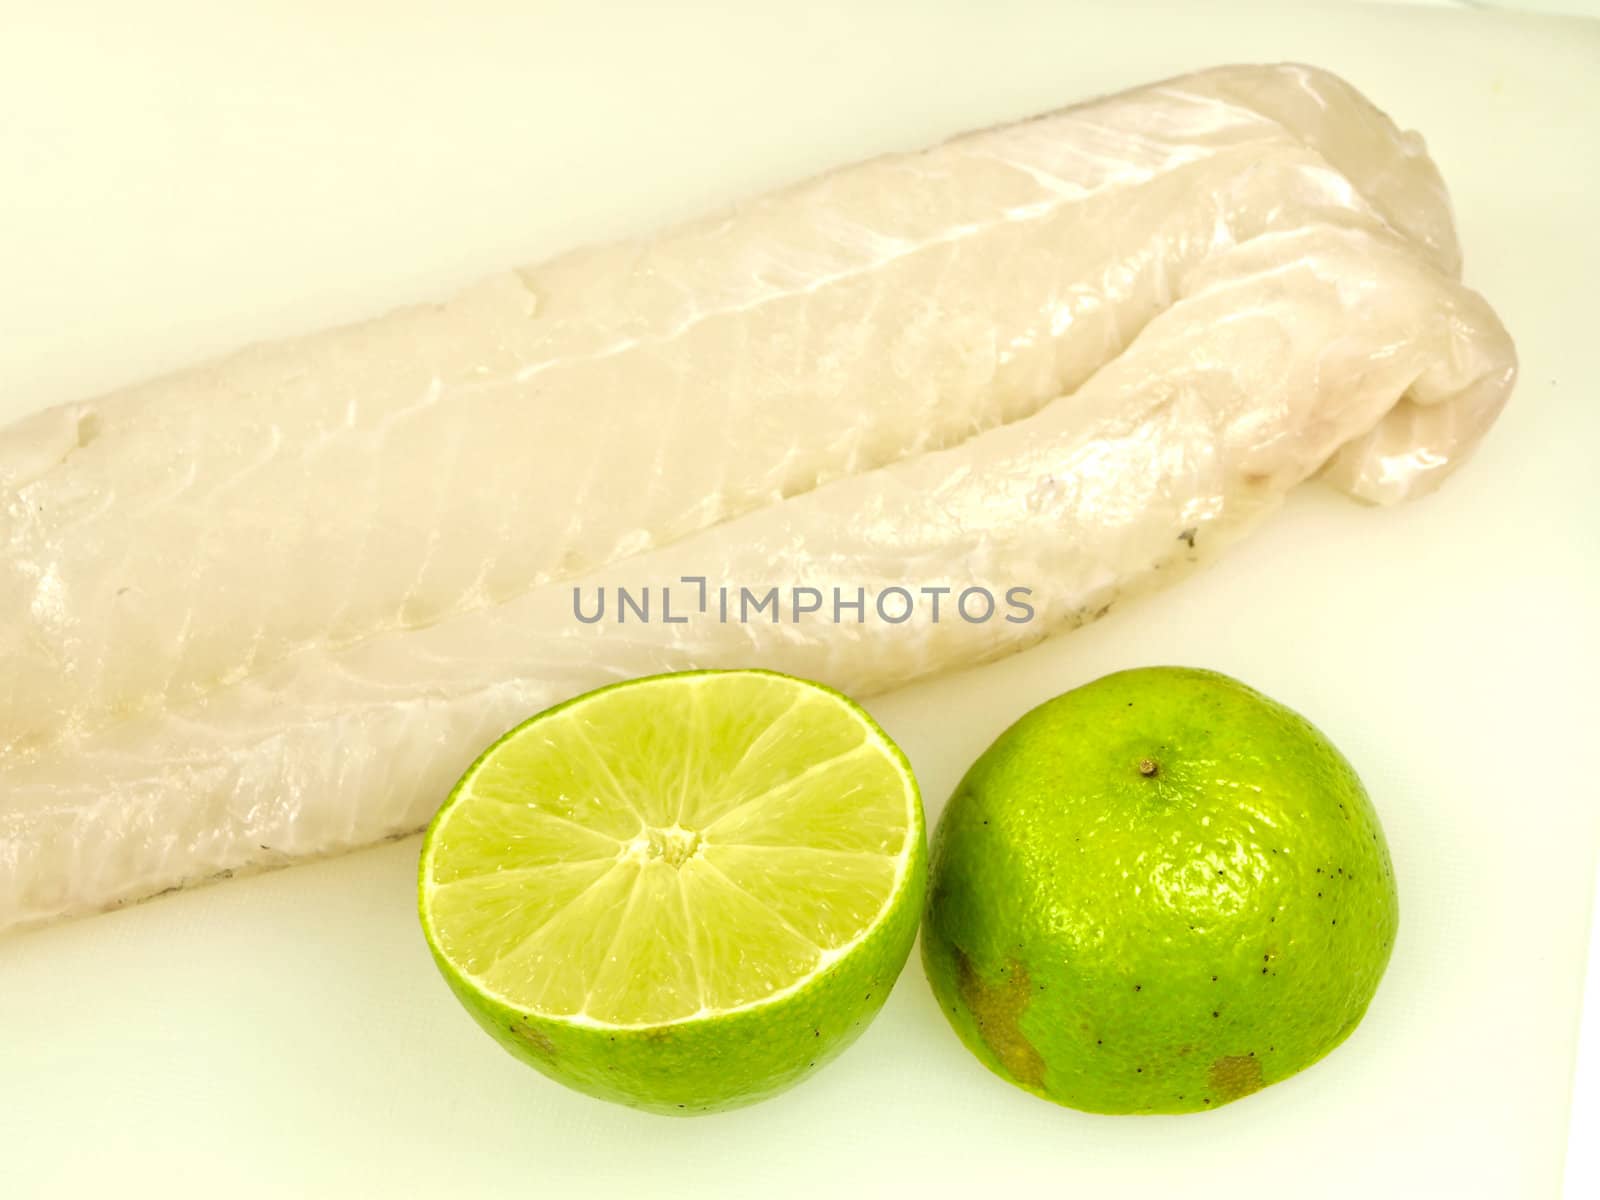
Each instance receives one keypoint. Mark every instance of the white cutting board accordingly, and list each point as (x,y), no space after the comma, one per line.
(176,179)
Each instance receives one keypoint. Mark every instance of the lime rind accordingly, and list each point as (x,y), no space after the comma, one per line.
(1158,893)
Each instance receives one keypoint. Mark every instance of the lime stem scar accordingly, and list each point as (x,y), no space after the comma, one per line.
(1147,767)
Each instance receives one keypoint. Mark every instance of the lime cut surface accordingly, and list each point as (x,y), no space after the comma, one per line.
(682,892)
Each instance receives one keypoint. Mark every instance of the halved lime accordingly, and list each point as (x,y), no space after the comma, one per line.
(1158,893)
(683,892)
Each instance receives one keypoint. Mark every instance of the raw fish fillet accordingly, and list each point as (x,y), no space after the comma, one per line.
(270,608)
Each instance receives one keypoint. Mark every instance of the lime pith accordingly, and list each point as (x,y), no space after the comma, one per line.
(683,892)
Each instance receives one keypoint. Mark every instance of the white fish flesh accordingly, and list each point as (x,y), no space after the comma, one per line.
(270,608)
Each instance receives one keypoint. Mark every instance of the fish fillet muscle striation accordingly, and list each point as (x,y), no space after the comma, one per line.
(271,607)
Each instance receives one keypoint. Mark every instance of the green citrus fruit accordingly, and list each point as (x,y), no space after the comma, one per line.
(1156,894)
(682,893)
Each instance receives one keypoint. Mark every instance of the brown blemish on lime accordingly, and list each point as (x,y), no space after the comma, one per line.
(1148,767)
(1235,1075)
(534,1039)
(997,1010)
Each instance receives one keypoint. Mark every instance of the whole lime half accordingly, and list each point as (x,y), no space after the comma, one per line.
(1156,894)
(682,893)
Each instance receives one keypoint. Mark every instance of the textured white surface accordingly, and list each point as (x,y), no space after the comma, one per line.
(1582,1178)
(181,185)
(1574,8)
